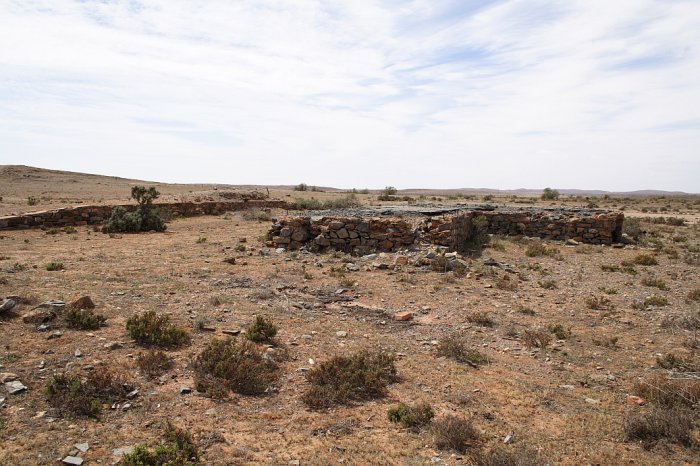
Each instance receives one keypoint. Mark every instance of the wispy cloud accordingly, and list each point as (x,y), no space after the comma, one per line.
(502,93)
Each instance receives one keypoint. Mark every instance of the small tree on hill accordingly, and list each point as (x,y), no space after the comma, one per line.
(550,194)
(144,218)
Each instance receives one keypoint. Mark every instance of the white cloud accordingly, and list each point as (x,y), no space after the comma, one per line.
(589,94)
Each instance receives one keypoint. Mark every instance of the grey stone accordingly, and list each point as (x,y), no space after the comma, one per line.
(7,305)
(73,460)
(341,333)
(121,451)
(55,334)
(14,386)
(184,390)
(112,345)
(83,447)
(78,353)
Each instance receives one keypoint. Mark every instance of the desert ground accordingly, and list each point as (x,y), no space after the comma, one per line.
(571,337)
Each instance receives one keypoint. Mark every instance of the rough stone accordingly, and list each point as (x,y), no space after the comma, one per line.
(82,303)
(39,316)
(403,316)
(7,305)
(14,386)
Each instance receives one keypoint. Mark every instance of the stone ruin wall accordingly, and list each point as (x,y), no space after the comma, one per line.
(363,235)
(94,215)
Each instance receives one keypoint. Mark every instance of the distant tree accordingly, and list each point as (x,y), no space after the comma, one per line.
(301,187)
(144,218)
(550,194)
(389,191)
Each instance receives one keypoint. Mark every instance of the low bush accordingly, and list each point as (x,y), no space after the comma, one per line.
(261,331)
(240,367)
(674,425)
(456,348)
(54,266)
(455,433)
(668,392)
(150,328)
(69,394)
(84,319)
(535,338)
(539,249)
(144,218)
(694,295)
(503,456)
(177,449)
(411,417)
(655,283)
(599,303)
(559,331)
(679,363)
(645,259)
(154,363)
(342,379)
(482,319)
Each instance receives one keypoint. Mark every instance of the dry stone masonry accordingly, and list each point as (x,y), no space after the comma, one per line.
(94,215)
(361,234)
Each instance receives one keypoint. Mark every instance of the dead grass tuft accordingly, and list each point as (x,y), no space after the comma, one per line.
(454,347)
(536,338)
(455,433)
(154,363)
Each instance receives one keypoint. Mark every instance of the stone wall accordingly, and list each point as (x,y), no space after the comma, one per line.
(93,215)
(351,234)
(362,235)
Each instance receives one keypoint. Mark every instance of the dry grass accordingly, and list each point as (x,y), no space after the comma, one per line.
(504,456)
(342,379)
(240,367)
(482,319)
(668,392)
(455,347)
(674,425)
(455,433)
(154,363)
(71,395)
(536,338)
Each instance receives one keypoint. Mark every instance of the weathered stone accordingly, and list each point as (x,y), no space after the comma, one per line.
(403,316)
(39,316)
(82,303)
(14,386)
(7,305)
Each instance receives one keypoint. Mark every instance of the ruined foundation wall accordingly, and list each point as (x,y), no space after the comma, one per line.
(363,235)
(93,215)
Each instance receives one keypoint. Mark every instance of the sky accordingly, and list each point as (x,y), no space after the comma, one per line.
(589,94)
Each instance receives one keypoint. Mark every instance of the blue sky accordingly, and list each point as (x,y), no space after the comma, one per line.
(588,94)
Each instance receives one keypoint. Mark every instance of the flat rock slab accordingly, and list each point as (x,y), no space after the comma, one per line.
(73,460)
(14,386)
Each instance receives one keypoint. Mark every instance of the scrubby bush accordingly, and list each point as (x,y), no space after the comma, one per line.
(539,249)
(481,318)
(411,417)
(536,338)
(84,319)
(550,194)
(177,449)
(31,200)
(559,331)
(502,456)
(668,392)
(674,425)
(69,394)
(240,367)
(343,379)
(144,218)
(150,328)
(54,266)
(454,347)
(154,363)
(455,433)
(261,331)
(645,259)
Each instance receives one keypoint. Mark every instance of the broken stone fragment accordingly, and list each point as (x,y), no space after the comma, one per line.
(14,386)
(403,316)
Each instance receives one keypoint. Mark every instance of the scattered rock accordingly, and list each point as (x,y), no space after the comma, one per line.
(231,332)
(350,267)
(592,401)
(14,386)
(83,447)
(39,316)
(635,400)
(55,334)
(341,334)
(132,394)
(185,390)
(82,303)
(571,242)
(7,305)
(73,460)
(78,353)
(7,377)
(113,345)
(403,316)
(121,451)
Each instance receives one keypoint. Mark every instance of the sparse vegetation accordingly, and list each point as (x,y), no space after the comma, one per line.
(154,363)
(155,329)
(559,331)
(54,266)
(536,338)
(342,379)
(84,319)
(599,303)
(481,318)
(177,449)
(674,425)
(539,249)
(503,456)
(261,331)
(645,259)
(455,433)
(413,417)
(227,365)
(550,194)
(70,395)
(456,348)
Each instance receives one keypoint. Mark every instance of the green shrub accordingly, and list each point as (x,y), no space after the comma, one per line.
(84,319)
(31,200)
(150,328)
(342,379)
(54,266)
(655,282)
(226,365)
(177,449)
(261,331)
(411,417)
(559,331)
(144,218)
(550,194)
(201,240)
(301,187)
